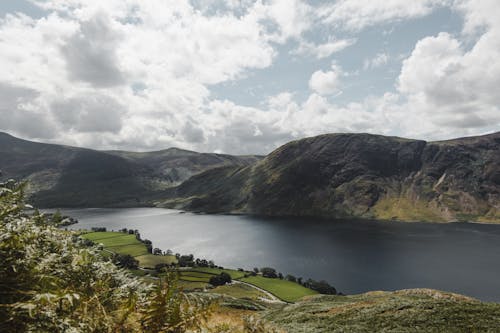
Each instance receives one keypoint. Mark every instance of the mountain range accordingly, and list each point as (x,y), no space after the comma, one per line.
(357,175)
(330,176)
(63,176)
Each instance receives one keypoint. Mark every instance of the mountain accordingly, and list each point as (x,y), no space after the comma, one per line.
(357,175)
(63,176)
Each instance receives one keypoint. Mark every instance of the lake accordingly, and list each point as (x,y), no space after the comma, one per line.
(354,256)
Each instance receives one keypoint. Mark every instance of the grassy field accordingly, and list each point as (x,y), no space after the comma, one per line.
(191,285)
(122,243)
(235,274)
(239,290)
(150,260)
(285,290)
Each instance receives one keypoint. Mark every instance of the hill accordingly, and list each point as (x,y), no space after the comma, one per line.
(415,310)
(357,175)
(63,176)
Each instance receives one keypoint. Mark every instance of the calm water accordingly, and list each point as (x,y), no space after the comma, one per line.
(354,256)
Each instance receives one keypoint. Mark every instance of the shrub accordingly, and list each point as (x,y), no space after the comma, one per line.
(269,272)
(221,279)
(126,261)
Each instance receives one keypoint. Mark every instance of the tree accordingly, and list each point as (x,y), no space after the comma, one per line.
(147,242)
(268,272)
(157,251)
(221,279)
(322,287)
(126,261)
(186,260)
(291,278)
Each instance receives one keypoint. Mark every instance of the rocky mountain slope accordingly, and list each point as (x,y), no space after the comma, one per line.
(63,176)
(357,175)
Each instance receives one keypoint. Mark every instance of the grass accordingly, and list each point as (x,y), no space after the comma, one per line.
(193,278)
(235,274)
(150,260)
(417,310)
(122,243)
(239,291)
(403,209)
(197,273)
(285,290)
(191,285)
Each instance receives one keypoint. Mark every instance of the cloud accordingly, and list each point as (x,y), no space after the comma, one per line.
(20,114)
(326,83)
(451,87)
(379,60)
(90,53)
(192,133)
(141,74)
(92,113)
(324,50)
(355,15)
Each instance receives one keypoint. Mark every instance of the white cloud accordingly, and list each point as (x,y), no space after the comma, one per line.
(358,14)
(326,83)
(451,87)
(90,53)
(324,50)
(293,17)
(379,60)
(83,63)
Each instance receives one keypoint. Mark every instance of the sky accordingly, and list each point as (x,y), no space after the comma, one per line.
(244,77)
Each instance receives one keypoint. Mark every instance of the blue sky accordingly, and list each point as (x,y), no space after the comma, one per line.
(243,76)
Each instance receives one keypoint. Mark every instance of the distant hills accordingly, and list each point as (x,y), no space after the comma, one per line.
(357,175)
(332,176)
(63,176)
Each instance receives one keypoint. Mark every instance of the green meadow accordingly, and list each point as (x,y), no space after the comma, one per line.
(122,243)
(285,290)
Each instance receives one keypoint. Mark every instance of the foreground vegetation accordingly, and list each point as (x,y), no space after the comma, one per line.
(417,310)
(50,281)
